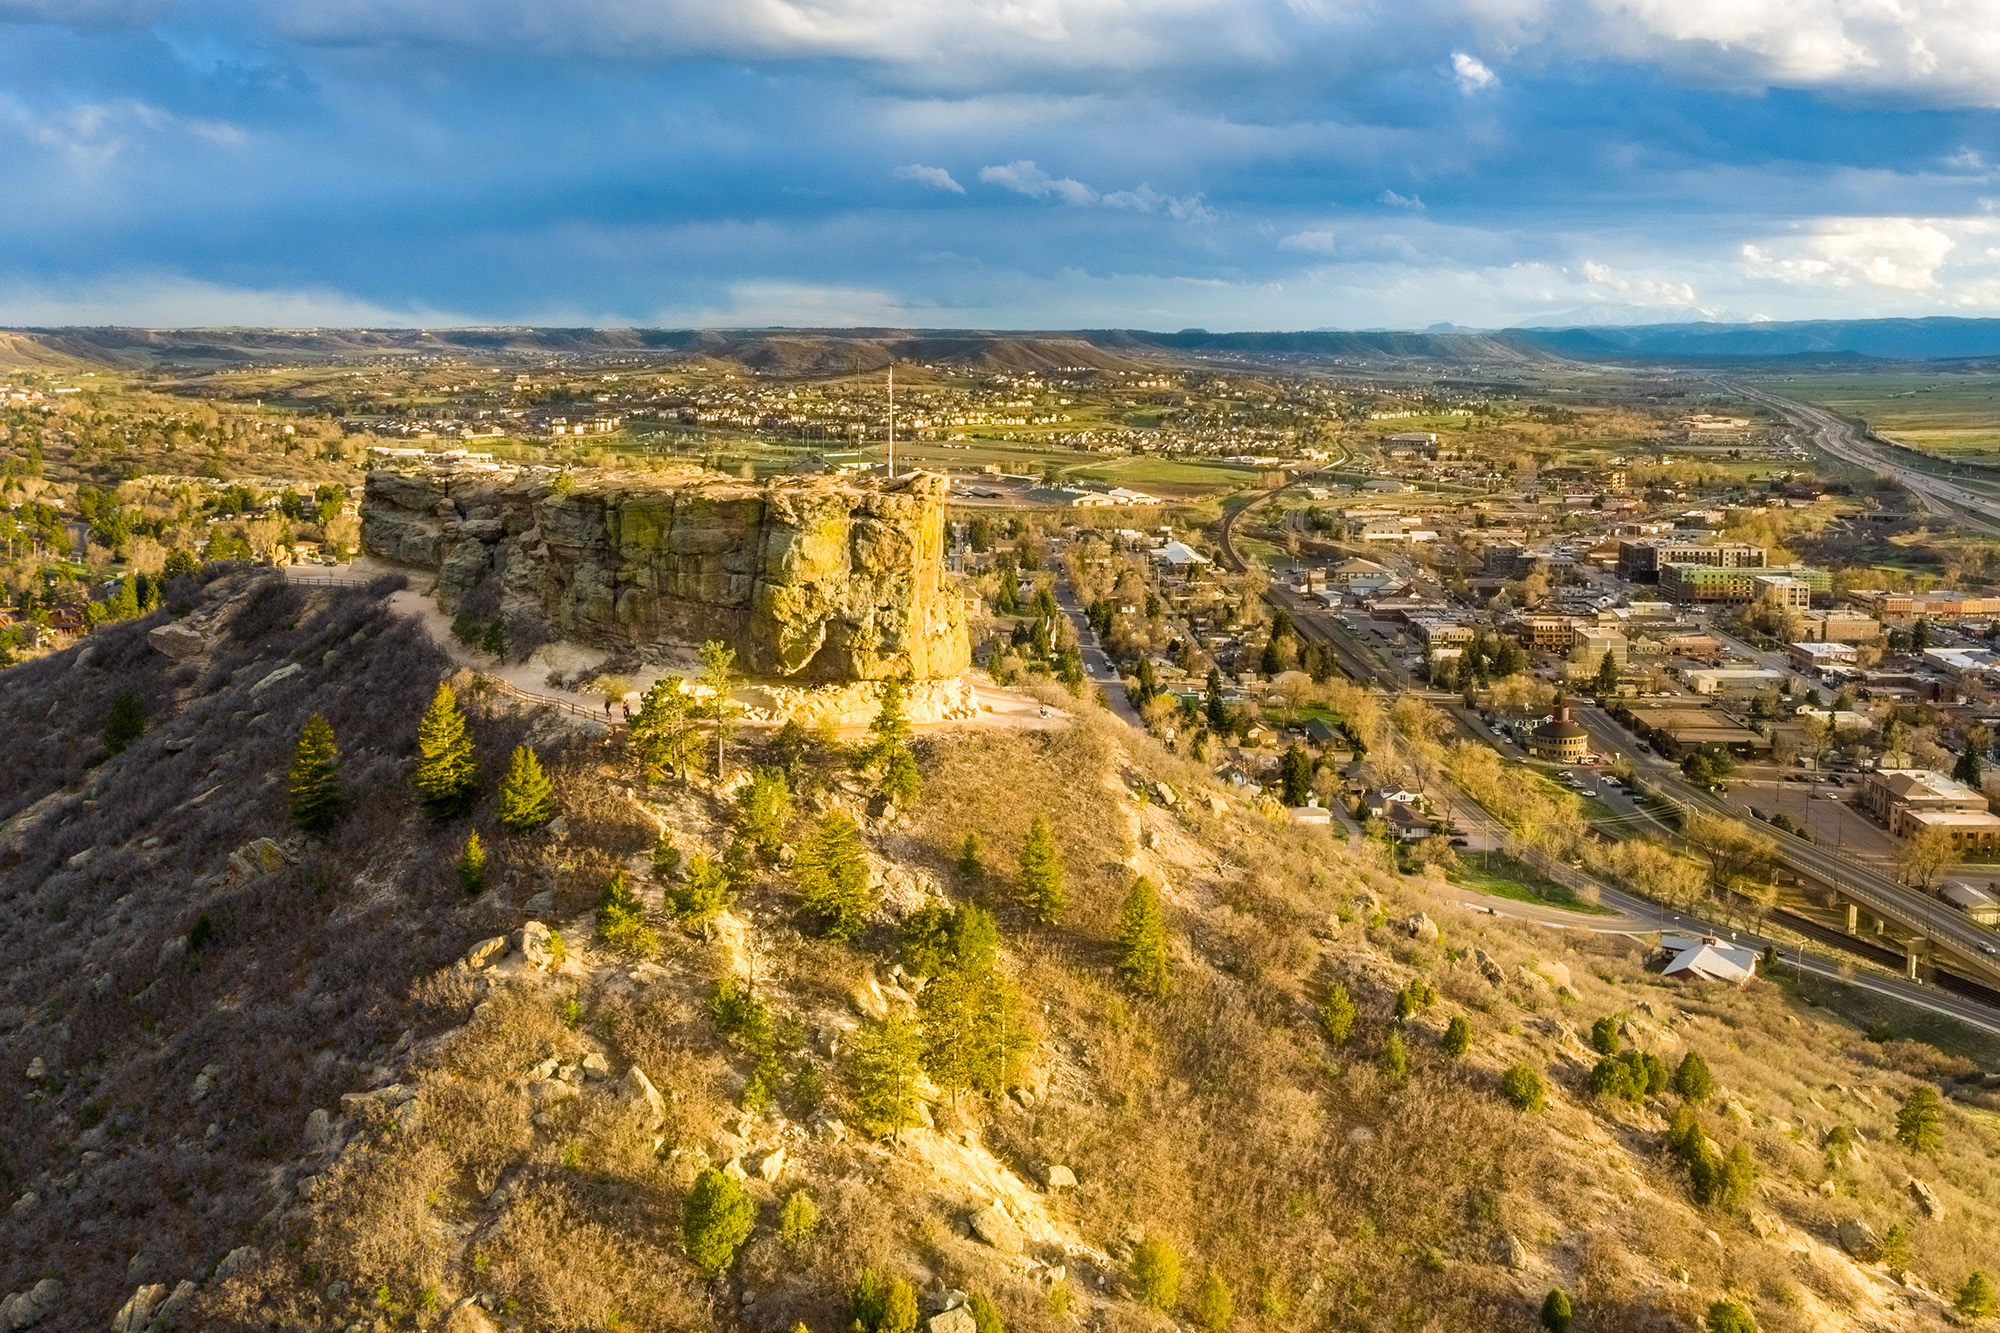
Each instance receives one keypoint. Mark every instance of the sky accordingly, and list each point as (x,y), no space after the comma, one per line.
(1015,164)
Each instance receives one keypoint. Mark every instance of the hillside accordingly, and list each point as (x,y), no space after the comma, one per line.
(359,1096)
(1934,338)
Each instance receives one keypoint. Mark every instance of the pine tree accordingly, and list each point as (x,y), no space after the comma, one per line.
(885,1065)
(715,1221)
(832,877)
(1557,1312)
(698,899)
(494,637)
(971,862)
(125,724)
(798,1218)
(1968,769)
(1156,1266)
(1692,1080)
(447,773)
(666,857)
(1041,881)
(472,865)
(1607,675)
(314,782)
(1142,942)
(1336,1015)
(1457,1039)
(1920,1122)
(985,1314)
(902,780)
(891,725)
(1975,1299)
(1296,774)
(971,1026)
(1395,1056)
(660,731)
(621,918)
(763,809)
(875,1306)
(525,794)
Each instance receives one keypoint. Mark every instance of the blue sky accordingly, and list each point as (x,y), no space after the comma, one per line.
(1228,164)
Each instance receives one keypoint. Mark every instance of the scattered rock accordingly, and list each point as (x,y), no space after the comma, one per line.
(177,641)
(826,1128)
(285,672)
(137,1310)
(25,1202)
(260,857)
(233,1262)
(1927,1199)
(1764,1226)
(169,1310)
(868,999)
(1737,1111)
(1367,905)
(992,1225)
(28,1308)
(1168,796)
(81,859)
(1217,806)
(595,1067)
(535,944)
(1489,967)
(486,951)
(1556,974)
(541,904)
(204,1083)
(958,1319)
(1509,1250)
(772,1165)
(1859,1239)
(1422,928)
(37,1071)
(734,1170)
(1059,1177)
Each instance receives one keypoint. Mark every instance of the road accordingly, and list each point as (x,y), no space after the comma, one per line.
(1098,667)
(1848,443)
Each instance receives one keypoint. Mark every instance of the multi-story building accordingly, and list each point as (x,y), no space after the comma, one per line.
(1912,799)
(1726,583)
(1644,559)
(1842,627)
(1781,590)
(1590,643)
(1547,633)
(1927,605)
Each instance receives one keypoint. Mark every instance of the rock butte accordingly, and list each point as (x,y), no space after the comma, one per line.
(808,578)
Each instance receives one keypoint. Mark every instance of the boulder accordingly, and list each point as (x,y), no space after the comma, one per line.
(958,1319)
(486,951)
(1764,1226)
(992,1225)
(37,1071)
(540,904)
(319,1130)
(1508,1250)
(1556,974)
(1367,905)
(232,1263)
(1168,796)
(31,1306)
(283,673)
(261,856)
(1059,1177)
(204,1083)
(807,578)
(1489,967)
(177,641)
(1926,1199)
(536,944)
(771,1165)
(1860,1241)
(1217,806)
(167,1312)
(1421,928)
(641,1098)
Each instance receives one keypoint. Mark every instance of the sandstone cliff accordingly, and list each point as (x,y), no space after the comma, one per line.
(809,579)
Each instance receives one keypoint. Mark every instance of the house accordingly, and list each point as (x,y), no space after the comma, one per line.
(1179,555)
(1408,824)
(1312,815)
(1707,959)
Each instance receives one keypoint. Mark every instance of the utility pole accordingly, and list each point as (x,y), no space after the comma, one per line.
(892,421)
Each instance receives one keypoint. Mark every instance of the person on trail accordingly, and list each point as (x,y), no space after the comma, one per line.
(607,710)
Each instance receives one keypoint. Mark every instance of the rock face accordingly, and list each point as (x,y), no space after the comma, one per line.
(808,579)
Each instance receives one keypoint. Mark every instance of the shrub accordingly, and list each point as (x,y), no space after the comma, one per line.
(472,865)
(740,1014)
(798,1218)
(939,939)
(763,810)
(971,859)
(1457,1039)
(313,784)
(1975,1299)
(1336,1015)
(525,794)
(1920,1121)
(1523,1088)
(1041,881)
(201,934)
(699,898)
(1557,1312)
(1612,1078)
(127,723)
(1214,1307)
(985,1314)
(1416,996)
(1692,1080)
(666,857)
(1604,1035)
(875,1306)
(1142,942)
(1727,1316)
(715,1221)
(1156,1267)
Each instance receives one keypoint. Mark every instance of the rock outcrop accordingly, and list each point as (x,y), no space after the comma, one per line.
(807,578)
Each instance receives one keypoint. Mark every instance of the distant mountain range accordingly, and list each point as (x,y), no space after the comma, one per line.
(811,352)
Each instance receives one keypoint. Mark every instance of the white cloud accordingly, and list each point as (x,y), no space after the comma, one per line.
(1471,73)
(935,177)
(1394,200)
(164,300)
(1901,253)
(1312,242)
(1637,288)
(1024,177)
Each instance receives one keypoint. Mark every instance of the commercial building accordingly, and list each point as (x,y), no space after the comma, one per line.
(1682,582)
(1842,627)
(1940,605)
(1732,680)
(1816,656)
(1552,634)
(1910,799)
(1559,739)
(1981,906)
(1643,559)
(1589,644)
(1781,590)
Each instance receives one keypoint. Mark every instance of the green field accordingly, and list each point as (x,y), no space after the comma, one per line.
(1510,879)
(1954,415)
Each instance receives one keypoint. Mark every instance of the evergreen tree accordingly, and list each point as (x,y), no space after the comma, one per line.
(939,939)
(1604,1035)
(525,794)
(698,899)
(971,863)
(494,637)
(660,732)
(1041,881)
(885,1064)
(1395,1056)
(621,919)
(891,725)
(876,1306)
(1975,1299)
(798,1218)
(1214,1307)
(1607,675)
(1557,1312)
(715,1221)
(126,723)
(1156,1267)
(1523,1088)
(1727,1316)
(1336,1015)
(718,672)
(472,865)
(1920,1122)
(971,1026)
(1457,1039)
(902,780)
(1142,942)
(832,877)
(1296,774)
(985,1314)
(447,774)
(666,857)
(763,810)
(314,781)
(1692,1080)
(1968,769)
(180,564)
